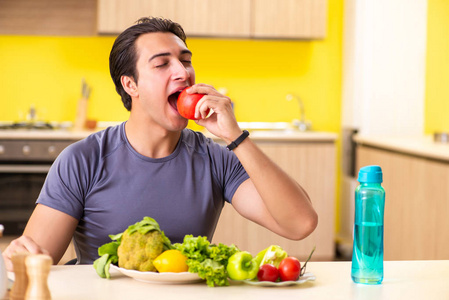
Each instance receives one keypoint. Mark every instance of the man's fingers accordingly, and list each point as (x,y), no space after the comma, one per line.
(23,244)
(201,88)
(26,244)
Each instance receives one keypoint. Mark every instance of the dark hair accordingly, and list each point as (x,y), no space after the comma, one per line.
(123,56)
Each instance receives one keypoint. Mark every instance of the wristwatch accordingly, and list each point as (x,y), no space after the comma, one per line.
(237,142)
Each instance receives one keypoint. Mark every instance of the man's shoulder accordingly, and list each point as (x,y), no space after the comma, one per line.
(99,144)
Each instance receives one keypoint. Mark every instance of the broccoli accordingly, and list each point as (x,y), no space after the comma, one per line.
(137,251)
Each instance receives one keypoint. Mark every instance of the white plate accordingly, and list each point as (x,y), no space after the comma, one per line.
(304,278)
(155,277)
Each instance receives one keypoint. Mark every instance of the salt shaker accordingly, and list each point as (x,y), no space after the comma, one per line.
(20,276)
(3,276)
(38,268)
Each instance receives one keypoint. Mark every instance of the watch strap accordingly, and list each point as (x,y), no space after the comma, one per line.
(237,142)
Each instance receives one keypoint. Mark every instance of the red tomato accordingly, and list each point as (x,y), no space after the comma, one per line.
(268,272)
(289,269)
(186,104)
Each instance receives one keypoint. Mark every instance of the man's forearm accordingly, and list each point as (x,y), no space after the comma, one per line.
(285,199)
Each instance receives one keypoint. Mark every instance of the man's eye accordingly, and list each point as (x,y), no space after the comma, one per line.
(161,65)
(185,61)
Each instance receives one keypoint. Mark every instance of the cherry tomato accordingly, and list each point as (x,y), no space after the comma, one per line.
(268,272)
(289,269)
(186,104)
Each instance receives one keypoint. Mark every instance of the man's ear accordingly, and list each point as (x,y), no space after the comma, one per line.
(129,85)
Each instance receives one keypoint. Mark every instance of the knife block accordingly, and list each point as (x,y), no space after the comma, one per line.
(81,114)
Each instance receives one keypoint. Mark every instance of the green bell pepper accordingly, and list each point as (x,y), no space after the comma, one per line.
(242,266)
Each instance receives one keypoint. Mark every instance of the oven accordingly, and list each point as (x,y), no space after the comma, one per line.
(24,164)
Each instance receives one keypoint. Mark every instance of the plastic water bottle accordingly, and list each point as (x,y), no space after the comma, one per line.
(368,247)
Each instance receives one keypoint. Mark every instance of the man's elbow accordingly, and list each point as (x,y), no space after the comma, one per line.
(306,227)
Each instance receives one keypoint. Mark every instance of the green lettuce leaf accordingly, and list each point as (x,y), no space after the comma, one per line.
(209,261)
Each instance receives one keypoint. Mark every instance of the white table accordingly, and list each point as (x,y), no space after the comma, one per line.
(402,280)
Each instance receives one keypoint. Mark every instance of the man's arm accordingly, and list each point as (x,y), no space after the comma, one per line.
(48,231)
(270,197)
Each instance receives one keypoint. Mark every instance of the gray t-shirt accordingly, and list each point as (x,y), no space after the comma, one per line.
(105,184)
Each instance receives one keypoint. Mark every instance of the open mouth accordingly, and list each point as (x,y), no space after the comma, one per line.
(173,99)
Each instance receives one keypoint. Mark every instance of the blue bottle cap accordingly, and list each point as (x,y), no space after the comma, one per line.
(370,174)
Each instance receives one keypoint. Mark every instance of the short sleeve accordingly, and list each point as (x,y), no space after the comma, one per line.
(229,171)
(66,183)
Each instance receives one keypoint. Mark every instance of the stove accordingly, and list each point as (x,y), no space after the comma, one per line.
(24,164)
(26,125)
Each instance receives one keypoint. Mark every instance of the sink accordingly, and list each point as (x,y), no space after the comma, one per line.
(279,133)
(294,126)
(293,135)
(265,125)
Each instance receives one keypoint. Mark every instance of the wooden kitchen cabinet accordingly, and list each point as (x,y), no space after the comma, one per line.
(198,17)
(301,19)
(313,166)
(416,203)
(293,19)
(48,17)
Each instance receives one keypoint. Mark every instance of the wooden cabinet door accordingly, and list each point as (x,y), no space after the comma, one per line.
(303,19)
(416,204)
(114,16)
(219,18)
(215,18)
(313,166)
(48,17)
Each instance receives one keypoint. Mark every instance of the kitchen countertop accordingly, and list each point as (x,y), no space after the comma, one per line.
(402,280)
(423,146)
(260,135)
(42,134)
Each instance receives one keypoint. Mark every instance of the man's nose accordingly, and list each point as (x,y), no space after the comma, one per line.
(180,72)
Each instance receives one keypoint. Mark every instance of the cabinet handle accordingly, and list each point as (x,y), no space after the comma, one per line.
(51,150)
(26,150)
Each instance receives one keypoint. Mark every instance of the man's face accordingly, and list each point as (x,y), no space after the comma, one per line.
(164,68)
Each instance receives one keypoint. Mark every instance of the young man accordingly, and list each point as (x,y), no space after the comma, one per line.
(153,166)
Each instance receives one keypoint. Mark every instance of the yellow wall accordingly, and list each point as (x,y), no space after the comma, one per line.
(47,72)
(437,89)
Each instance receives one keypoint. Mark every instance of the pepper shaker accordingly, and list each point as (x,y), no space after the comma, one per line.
(20,276)
(38,268)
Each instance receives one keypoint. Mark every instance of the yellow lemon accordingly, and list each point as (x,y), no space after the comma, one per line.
(171,261)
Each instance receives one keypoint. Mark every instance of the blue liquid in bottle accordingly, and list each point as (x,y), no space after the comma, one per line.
(367,255)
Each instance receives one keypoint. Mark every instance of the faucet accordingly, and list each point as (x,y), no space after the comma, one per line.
(301,124)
